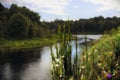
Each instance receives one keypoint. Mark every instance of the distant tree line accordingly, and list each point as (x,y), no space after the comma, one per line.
(21,23)
(96,25)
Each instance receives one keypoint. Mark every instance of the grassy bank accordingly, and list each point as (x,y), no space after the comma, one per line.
(100,62)
(15,45)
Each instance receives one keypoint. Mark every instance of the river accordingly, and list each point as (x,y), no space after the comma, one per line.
(31,65)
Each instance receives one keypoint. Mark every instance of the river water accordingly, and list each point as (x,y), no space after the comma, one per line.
(33,64)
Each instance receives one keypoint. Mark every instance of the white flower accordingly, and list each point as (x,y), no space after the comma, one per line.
(89,53)
(116,64)
(88,59)
(51,65)
(99,64)
(84,56)
(62,57)
(56,65)
(104,72)
(99,56)
(83,67)
(95,50)
(57,60)
(82,76)
(60,75)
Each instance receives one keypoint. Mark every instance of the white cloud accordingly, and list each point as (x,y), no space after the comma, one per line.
(76,6)
(56,7)
(105,5)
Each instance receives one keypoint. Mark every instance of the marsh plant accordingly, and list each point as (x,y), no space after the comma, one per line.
(101,62)
(61,60)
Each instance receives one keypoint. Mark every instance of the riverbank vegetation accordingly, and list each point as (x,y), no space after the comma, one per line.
(27,44)
(20,28)
(19,23)
(100,62)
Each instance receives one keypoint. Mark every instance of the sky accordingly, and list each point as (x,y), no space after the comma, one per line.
(51,10)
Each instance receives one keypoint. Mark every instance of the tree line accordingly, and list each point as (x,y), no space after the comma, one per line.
(20,23)
(96,25)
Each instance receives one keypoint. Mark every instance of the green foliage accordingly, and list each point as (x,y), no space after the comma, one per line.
(20,23)
(95,25)
(18,26)
(62,66)
(27,44)
(61,60)
(1,30)
(100,62)
(102,59)
(23,10)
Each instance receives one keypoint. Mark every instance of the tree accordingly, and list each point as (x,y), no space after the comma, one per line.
(18,26)
(1,7)
(13,9)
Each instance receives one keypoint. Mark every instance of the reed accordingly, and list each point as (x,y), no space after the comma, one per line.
(100,62)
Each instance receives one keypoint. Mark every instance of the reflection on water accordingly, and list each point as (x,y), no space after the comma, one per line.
(23,65)
(29,65)
(39,70)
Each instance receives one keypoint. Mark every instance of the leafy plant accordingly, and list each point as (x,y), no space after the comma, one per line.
(97,63)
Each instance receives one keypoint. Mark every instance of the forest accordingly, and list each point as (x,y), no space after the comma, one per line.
(21,23)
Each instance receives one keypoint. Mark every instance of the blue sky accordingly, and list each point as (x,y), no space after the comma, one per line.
(69,9)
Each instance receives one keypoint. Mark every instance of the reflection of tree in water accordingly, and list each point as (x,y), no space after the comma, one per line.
(18,62)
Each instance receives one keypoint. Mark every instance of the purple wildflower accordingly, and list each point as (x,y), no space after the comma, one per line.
(109,75)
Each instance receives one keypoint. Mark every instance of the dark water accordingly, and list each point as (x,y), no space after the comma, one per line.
(29,65)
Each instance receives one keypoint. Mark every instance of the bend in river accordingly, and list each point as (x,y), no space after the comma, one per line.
(30,65)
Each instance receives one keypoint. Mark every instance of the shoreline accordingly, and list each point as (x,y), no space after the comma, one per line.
(26,44)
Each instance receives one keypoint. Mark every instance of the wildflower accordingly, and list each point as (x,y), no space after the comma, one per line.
(83,67)
(116,64)
(84,56)
(56,65)
(82,76)
(95,50)
(51,65)
(113,74)
(61,75)
(57,60)
(88,59)
(99,64)
(89,53)
(109,75)
(104,72)
(99,56)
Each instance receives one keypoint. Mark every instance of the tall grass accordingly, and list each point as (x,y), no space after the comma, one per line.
(61,60)
(97,63)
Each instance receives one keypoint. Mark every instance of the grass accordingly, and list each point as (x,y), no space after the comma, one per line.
(100,62)
(105,55)
(15,45)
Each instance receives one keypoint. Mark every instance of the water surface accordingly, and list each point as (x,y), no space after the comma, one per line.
(30,65)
